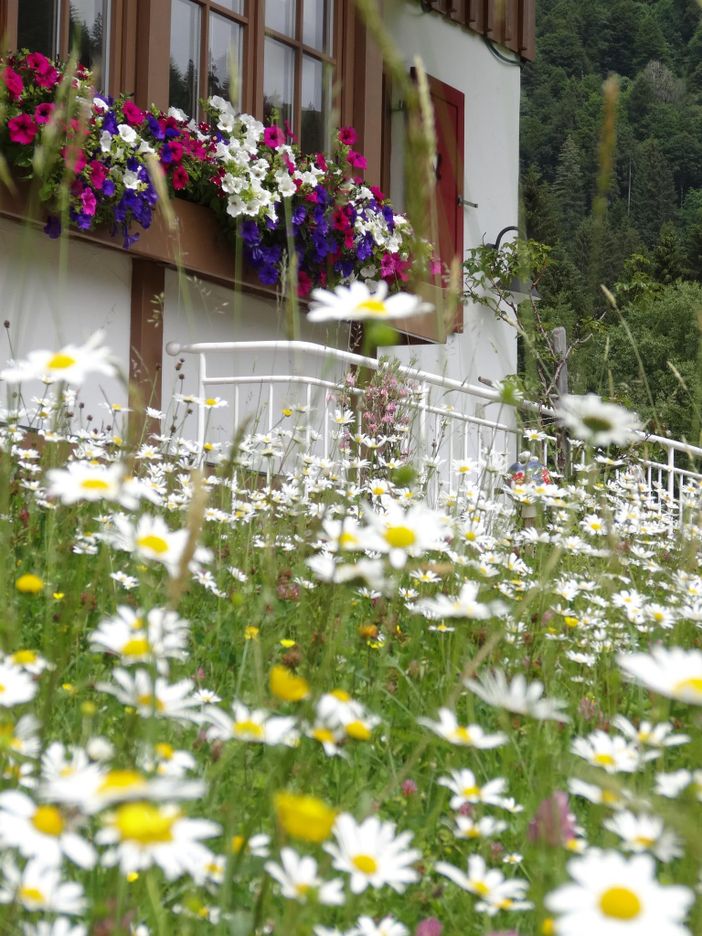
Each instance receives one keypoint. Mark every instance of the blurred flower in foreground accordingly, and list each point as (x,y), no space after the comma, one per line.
(593,420)
(553,823)
(516,696)
(356,303)
(71,363)
(675,673)
(611,894)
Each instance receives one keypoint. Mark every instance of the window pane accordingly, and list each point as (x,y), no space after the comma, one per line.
(89,22)
(236,6)
(280,15)
(225,59)
(35,26)
(185,55)
(317,24)
(316,104)
(278,82)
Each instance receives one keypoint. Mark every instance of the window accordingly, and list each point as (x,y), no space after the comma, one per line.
(298,68)
(207,51)
(215,42)
(56,27)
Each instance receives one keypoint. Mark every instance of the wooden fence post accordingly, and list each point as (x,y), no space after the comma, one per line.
(560,350)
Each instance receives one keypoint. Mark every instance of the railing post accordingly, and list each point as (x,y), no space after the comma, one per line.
(201,410)
(671,472)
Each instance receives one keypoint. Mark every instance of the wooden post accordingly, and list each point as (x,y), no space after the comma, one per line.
(146,332)
(560,349)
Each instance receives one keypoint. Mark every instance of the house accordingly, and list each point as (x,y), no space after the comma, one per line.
(312,63)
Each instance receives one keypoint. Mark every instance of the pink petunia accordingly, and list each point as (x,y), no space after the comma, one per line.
(357,160)
(180,178)
(98,174)
(38,62)
(13,83)
(347,136)
(43,112)
(22,129)
(392,265)
(88,202)
(273,137)
(132,114)
(47,79)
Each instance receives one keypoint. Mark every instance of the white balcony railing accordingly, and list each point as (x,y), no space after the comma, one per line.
(452,419)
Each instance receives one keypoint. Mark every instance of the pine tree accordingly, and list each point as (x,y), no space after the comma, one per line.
(652,191)
(569,189)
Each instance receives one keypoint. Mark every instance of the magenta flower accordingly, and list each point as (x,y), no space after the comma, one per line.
(88,202)
(98,174)
(273,137)
(429,927)
(357,160)
(347,136)
(13,83)
(179,178)
(22,129)
(132,114)
(43,112)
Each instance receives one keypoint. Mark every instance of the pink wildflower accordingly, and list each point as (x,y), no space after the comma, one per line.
(22,129)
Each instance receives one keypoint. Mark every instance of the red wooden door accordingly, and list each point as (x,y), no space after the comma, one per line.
(449,117)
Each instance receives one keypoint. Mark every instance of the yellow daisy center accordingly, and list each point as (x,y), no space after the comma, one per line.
(164,751)
(341,695)
(150,701)
(462,735)
(358,731)
(481,888)
(31,895)
(605,760)
(400,537)
(48,820)
(144,823)
(689,687)
(303,889)
(323,735)
(621,903)
(471,791)
(347,539)
(155,543)
(373,306)
(117,780)
(210,401)
(23,657)
(94,484)
(248,727)
(645,841)
(366,864)
(61,362)
(139,646)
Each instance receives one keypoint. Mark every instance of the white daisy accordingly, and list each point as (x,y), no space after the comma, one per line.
(516,696)
(615,896)
(299,880)
(373,854)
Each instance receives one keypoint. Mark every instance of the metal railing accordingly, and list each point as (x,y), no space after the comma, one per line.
(443,427)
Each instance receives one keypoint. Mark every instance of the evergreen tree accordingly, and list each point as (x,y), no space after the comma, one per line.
(652,191)
(569,189)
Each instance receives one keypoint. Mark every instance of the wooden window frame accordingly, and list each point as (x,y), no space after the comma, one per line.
(328,60)
(246,20)
(9,19)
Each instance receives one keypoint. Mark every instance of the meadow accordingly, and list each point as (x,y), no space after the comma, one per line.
(324,704)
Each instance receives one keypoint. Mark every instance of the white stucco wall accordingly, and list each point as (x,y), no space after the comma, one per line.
(53,293)
(485,348)
(195,312)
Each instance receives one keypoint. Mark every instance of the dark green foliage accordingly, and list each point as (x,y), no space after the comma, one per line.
(646,245)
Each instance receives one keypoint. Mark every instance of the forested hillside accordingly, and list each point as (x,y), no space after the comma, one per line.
(648,238)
